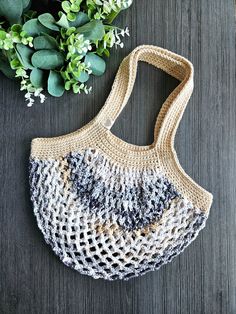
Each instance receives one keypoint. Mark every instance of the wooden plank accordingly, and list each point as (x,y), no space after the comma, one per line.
(203,278)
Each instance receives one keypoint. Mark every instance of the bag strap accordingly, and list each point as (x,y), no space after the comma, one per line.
(172,110)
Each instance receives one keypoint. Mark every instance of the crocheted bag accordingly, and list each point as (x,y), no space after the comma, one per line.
(114,210)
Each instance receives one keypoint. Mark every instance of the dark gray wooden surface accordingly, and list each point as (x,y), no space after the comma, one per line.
(203,278)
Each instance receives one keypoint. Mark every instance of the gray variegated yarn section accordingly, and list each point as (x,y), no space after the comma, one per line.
(137,199)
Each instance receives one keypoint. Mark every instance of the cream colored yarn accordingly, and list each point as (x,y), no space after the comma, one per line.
(114,210)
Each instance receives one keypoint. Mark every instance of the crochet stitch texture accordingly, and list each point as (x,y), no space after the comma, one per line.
(114,210)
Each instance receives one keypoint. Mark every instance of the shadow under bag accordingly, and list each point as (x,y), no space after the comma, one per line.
(115,210)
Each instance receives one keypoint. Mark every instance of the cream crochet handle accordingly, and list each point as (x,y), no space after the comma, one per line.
(172,109)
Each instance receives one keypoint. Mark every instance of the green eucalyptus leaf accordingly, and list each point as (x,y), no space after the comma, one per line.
(48,21)
(106,53)
(16,28)
(84,76)
(93,30)
(63,22)
(65,75)
(71,16)
(24,54)
(15,64)
(70,31)
(34,28)
(11,10)
(6,69)
(68,85)
(56,84)
(37,78)
(2,35)
(81,19)
(47,59)
(45,42)
(66,6)
(76,88)
(97,64)
(74,7)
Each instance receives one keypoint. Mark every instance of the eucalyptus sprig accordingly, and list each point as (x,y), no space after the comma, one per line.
(58,53)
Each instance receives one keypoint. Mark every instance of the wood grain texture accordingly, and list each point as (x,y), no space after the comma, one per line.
(202,280)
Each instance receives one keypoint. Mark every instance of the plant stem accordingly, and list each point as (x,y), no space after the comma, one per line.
(112,16)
